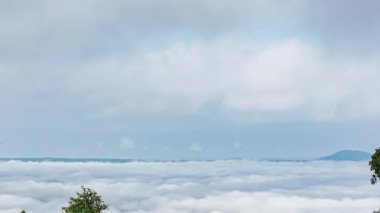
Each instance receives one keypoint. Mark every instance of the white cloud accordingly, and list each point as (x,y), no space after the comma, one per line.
(217,186)
(242,75)
(236,144)
(127,143)
(283,80)
(195,147)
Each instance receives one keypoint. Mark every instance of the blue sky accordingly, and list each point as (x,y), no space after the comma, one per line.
(188,80)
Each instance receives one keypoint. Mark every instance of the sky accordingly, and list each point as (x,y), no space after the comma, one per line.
(226,186)
(191,79)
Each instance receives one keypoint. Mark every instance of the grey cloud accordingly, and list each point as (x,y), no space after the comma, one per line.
(51,29)
(45,44)
(290,77)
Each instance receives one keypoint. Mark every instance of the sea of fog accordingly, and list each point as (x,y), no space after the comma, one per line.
(242,186)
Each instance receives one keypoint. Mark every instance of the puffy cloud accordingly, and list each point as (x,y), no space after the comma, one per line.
(195,147)
(215,186)
(236,144)
(127,143)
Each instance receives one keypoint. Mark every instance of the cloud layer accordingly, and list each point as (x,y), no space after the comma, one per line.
(255,60)
(217,186)
(285,79)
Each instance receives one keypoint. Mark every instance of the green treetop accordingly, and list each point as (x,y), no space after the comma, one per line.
(86,202)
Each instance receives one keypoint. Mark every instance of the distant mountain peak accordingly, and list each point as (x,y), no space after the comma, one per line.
(348,155)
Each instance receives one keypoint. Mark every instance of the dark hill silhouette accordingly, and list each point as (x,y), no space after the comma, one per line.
(348,155)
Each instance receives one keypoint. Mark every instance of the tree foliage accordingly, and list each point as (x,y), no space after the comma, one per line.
(88,201)
(374,164)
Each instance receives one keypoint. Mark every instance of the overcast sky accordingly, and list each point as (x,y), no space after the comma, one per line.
(200,79)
